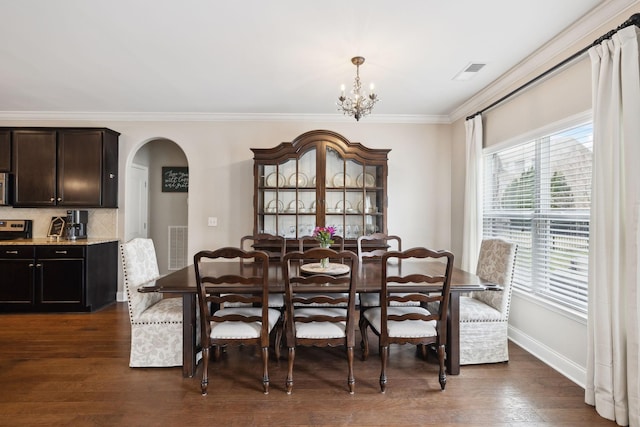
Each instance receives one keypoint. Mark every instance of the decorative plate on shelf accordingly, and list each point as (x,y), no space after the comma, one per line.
(313,206)
(298,180)
(274,206)
(341,180)
(275,180)
(292,206)
(343,205)
(333,269)
(367,179)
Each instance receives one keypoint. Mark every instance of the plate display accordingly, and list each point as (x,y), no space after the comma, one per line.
(291,207)
(334,269)
(275,180)
(299,180)
(274,206)
(341,180)
(343,205)
(361,208)
(367,179)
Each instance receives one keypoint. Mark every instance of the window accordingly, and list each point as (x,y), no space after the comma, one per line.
(537,194)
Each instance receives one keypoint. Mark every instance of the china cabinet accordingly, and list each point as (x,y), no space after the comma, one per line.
(320,179)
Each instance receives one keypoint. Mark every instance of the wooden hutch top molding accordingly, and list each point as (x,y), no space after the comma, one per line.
(311,138)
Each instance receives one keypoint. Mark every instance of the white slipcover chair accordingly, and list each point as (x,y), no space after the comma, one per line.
(484,315)
(156,322)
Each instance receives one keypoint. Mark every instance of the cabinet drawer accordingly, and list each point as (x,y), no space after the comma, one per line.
(60,252)
(16,252)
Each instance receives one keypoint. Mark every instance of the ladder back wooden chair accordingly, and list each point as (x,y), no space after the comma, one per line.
(403,324)
(320,319)
(235,325)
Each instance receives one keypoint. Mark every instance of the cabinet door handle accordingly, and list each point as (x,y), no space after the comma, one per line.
(53,199)
(11,252)
(112,176)
(61,252)
(59,199)
(30,265)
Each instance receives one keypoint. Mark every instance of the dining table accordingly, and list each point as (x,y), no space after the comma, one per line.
(368,279)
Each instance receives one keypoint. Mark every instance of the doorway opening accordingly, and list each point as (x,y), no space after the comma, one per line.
(158,211)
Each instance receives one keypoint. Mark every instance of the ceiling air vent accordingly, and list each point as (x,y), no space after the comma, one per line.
(469,71)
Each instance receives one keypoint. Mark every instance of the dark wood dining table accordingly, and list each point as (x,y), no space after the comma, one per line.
(368,279)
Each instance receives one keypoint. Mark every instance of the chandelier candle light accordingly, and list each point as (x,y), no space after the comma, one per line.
(361,103)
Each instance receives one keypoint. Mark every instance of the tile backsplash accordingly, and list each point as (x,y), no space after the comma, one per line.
(102,222)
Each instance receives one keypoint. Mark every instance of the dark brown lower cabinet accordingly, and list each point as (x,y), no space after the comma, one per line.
(49,278)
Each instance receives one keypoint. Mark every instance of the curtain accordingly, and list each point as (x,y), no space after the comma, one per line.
(613,338)
(472,228)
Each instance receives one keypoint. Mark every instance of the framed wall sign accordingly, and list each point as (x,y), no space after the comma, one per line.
(175,179)
(56,227)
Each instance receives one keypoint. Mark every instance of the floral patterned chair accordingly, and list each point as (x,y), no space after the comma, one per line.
(156,322)
(484,315)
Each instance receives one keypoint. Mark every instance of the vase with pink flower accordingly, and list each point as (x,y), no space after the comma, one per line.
(324,236)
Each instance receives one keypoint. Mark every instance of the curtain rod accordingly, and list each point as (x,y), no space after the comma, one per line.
(633,20)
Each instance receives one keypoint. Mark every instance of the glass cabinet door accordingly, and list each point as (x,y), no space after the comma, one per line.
(287,197)
(354,202)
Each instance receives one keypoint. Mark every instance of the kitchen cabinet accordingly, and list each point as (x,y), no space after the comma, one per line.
(320,179)
(17,270)
(71,167)
(55,278)
(5,151)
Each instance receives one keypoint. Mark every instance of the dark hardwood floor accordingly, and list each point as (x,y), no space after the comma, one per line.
(72,369)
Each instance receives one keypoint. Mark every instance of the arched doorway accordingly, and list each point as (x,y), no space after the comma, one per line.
(164,216)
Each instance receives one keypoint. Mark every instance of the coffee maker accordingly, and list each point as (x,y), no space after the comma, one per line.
(76,224)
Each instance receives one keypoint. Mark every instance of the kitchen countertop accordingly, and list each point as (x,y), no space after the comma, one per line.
(62,242)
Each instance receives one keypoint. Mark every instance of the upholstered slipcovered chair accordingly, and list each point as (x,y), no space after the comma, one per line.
(156,322)
(484,315)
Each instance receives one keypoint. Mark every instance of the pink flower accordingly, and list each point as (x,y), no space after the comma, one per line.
(324,234)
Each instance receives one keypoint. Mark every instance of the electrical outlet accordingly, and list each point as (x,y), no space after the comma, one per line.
(212,221)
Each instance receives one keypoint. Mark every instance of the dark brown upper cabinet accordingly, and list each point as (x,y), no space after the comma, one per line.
(5,151)
(73,167)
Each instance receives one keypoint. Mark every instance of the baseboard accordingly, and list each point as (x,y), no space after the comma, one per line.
(121,296)
(557,361)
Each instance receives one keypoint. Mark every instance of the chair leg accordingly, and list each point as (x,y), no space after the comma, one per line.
(278,340)
(350,380)
(365,339)
(265,369)
(289,383)
(205,371)
(384,354)
(442,377)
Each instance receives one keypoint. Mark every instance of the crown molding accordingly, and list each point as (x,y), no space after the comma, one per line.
(214,117)
(608,10)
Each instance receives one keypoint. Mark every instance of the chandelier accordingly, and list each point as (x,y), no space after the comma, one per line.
(360,104)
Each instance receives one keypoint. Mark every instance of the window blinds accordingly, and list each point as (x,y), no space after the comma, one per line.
(537,194)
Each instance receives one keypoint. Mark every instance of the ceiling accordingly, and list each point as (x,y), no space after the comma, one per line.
(256,57)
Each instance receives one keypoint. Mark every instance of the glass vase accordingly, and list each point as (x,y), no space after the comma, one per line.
(324,262)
